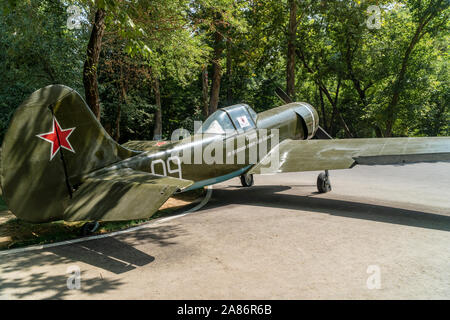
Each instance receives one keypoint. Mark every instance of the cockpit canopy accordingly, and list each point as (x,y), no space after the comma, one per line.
(229,120)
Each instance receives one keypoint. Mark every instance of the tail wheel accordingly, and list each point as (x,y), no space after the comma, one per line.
(247,180)
(89,228)
(323,183)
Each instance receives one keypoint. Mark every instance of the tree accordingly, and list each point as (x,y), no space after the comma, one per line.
(217,72)
(157,131)
(291,35)
(159,65)
(91,63)
(36,49)
(157,39)
(216,21)
(425,13)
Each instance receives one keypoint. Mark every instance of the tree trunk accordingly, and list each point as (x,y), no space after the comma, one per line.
(123,99)
(217,73)
(338,112)
(398,85)
(378,132)
(118,115)
(205,103)
(290,68)
(322,106)
(229,60)
(157,131)
(91,63)
(356,82)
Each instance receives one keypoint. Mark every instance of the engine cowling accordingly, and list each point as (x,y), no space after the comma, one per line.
(309,117)
(296,120)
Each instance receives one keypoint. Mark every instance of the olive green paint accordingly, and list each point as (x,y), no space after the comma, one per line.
(103,180)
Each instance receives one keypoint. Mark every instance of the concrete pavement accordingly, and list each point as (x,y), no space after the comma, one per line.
(388,226)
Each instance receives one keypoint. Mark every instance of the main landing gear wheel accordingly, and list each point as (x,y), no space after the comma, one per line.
(247,180)
(89,228)
(323,182)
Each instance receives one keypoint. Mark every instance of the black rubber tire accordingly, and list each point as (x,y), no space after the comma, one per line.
(89,228)
(323,183)
(247,180)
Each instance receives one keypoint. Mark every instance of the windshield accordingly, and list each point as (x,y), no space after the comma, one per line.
(218,123)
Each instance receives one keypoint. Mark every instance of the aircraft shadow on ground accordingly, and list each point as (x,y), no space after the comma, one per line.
(270,196)
(25,283)
(112,254)
(108,253)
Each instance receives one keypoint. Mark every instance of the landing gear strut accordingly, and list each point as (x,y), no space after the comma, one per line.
(323,182)
(89,228)
(247,180)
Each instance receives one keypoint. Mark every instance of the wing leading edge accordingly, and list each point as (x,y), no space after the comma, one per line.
(312,155)
(123,194)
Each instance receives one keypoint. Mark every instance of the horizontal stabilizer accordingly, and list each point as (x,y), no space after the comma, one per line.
(123,194)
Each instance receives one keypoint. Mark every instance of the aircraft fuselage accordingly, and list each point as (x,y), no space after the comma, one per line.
(207,158)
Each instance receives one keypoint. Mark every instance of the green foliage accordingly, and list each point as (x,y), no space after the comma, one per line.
(36,50)
(171,41)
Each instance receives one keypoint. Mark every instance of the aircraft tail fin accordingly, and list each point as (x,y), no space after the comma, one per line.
(52,142)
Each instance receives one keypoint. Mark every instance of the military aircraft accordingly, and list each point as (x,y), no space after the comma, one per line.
(58,163)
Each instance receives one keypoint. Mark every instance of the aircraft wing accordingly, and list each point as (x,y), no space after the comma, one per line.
(123,194)
(312,155)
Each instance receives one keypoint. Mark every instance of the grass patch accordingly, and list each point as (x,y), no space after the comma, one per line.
(15,233)
(23,233)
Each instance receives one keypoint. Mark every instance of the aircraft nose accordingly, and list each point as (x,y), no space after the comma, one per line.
(309,116)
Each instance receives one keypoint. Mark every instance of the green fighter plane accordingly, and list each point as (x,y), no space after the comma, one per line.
(58,163)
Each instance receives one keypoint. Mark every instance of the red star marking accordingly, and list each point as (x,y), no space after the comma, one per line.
(159,144)
(53,135)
